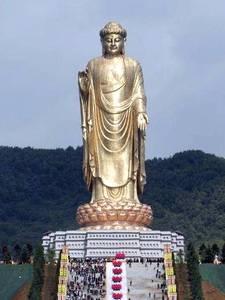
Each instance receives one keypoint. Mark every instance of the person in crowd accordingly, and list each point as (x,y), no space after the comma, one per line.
(86,279)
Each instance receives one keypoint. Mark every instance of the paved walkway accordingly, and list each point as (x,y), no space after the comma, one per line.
(143,282)
(144,285)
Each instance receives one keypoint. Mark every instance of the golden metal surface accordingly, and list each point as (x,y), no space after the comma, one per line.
(113,226)
(114,119)
(124,212)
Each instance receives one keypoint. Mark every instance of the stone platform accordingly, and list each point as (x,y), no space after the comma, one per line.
(106,243)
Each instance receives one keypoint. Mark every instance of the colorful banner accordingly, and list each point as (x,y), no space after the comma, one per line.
(169,271)
(63,274)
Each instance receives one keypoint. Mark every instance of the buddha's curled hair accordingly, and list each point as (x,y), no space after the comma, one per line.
(113,27)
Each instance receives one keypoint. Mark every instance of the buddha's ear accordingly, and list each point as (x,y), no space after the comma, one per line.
(123,50)
(103,50)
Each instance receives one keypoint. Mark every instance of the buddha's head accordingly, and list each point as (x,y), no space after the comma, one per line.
(113,36)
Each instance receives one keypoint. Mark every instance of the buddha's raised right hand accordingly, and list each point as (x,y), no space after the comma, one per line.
(83,81)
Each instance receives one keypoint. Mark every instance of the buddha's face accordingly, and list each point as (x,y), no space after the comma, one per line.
(113,44)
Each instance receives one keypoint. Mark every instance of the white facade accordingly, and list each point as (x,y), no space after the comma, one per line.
(106,243)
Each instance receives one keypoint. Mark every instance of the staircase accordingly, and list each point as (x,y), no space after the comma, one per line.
(143,283)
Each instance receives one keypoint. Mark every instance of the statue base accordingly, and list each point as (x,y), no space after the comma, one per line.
(90,243)
(115,226)
(109,227)
(124,214)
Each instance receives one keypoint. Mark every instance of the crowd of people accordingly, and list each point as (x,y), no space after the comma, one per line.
(144,261)
(86,279)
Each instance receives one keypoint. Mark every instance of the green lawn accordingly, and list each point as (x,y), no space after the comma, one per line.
(215,274)
(12,277)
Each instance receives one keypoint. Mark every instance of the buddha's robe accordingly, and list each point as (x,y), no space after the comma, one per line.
(113,144)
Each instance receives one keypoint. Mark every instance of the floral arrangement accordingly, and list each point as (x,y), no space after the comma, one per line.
(120,255)
(117,295)
(117,263)
(116,286)
(116,278)
(117,271)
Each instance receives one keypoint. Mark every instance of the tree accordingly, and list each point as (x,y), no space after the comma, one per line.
(209,255)
(57,274)
(223,254)
(38,274)
(193,273)
(215,250)
(180,257)
(17,253)
(25,255)
(30,250)
(6,256)
(50,256)
(202,252)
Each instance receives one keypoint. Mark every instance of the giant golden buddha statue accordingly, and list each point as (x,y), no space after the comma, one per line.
(114,120)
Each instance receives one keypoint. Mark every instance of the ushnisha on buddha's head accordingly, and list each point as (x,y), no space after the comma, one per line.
(113,36)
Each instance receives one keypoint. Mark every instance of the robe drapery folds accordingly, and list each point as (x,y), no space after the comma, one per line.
(113,144)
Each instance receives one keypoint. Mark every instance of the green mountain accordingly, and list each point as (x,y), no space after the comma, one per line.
(41,189)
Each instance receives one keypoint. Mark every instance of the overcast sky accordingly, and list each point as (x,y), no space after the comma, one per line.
(180,45)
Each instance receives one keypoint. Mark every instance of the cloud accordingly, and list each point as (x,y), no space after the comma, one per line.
(179,44)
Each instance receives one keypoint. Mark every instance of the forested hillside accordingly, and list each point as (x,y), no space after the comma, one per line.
(41,189)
